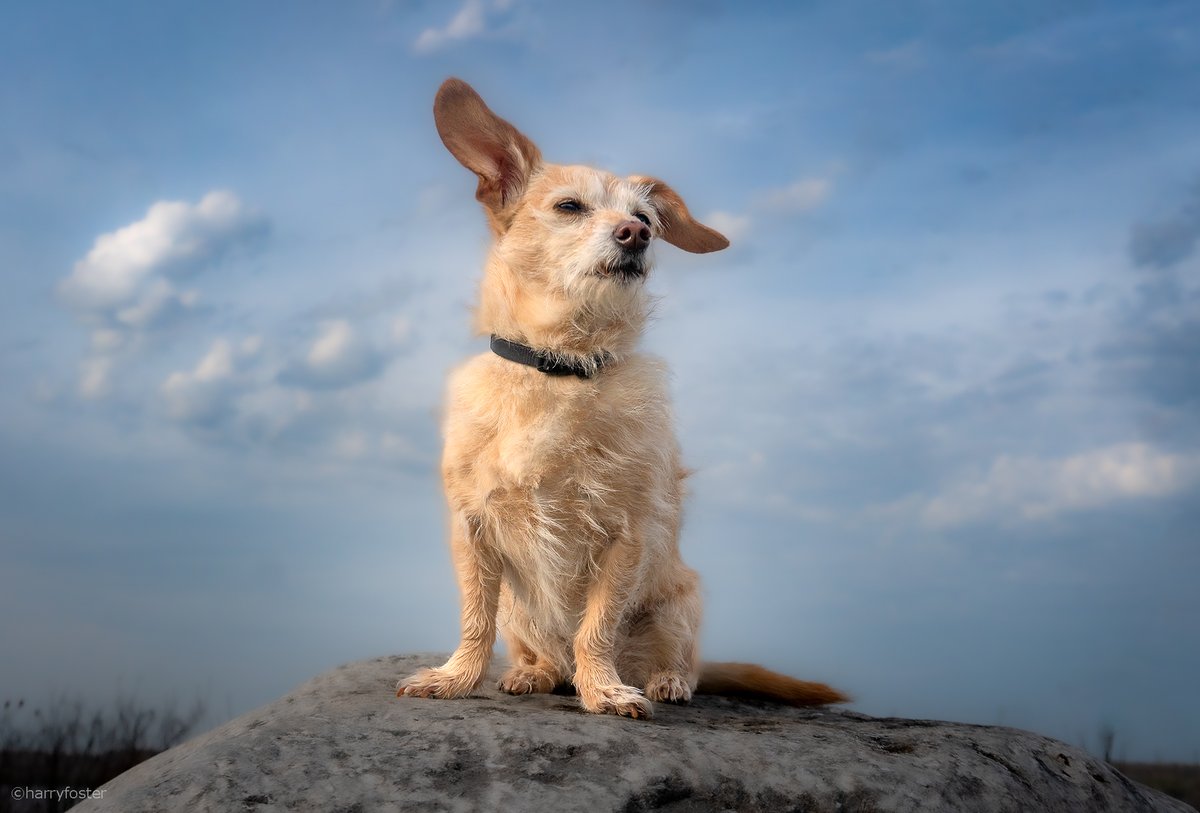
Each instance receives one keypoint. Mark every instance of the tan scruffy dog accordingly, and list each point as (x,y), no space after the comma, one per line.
(561,467)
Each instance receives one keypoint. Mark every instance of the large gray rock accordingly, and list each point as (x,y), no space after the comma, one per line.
(344,742)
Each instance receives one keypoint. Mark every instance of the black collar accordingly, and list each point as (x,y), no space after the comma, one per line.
(544,362)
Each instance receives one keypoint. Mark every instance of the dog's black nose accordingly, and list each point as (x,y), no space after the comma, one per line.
(632,235)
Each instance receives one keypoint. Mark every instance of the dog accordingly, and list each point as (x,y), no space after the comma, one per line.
(560,466)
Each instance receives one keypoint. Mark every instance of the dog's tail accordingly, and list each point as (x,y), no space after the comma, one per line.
(752,681)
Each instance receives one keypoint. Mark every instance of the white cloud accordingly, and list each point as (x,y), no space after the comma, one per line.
(469,23)
(351,444)
(731,225)
(338,357)
(174,238)
(209,392)
(1031,488)
(159,303)
(333,346)
(199,395)
(251,345)
(294,398)
(125,285)
(266,415)
(910,55)
(95,376)
(396,448)
(800,196)
(107,340)
(218,364)
(400,329)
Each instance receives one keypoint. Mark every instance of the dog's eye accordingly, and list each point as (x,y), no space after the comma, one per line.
(642,216)
(569,206)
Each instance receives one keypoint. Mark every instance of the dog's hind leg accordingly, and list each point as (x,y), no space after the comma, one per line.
(528,673)
(662,652)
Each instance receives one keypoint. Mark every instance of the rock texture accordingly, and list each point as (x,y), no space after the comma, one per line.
(344,742)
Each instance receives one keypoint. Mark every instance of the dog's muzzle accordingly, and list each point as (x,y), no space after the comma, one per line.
(626,269)
(632,236)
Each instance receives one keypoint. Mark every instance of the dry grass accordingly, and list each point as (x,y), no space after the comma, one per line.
(1180,781)
(67,746)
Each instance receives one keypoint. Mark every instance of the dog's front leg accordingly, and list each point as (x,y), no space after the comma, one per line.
(478,567)
(596,679)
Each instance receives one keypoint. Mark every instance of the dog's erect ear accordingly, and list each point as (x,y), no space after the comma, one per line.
(485,144)
(676,224)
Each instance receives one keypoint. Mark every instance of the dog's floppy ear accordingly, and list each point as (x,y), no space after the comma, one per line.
(676,224)
(485,144)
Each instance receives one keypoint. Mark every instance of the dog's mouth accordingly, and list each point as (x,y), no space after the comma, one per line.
(625,270)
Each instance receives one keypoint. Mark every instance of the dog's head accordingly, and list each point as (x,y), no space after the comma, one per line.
(571,242)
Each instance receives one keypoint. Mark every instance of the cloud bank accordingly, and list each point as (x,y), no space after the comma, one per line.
(1032,488)
(126,285)
(125,274)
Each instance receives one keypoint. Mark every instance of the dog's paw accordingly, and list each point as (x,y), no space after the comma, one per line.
(527,680)
(437,683)
(625,701)
(668,688)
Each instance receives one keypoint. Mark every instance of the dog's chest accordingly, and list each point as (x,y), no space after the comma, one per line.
(550,493)
(563,464)
(569,458)
(544,468)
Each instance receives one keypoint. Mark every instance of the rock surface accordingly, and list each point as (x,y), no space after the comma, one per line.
(344,742)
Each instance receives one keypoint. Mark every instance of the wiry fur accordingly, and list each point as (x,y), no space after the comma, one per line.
(565,493)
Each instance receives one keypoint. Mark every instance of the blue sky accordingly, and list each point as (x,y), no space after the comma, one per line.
(942,395)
